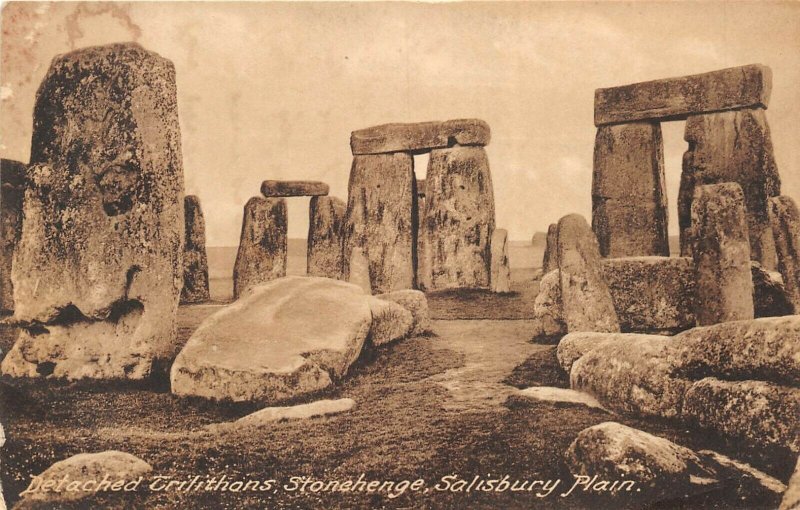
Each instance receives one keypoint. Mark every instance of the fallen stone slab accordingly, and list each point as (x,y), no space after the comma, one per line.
(574,345)
(791,498)
(390,322)
(743,473)
(420,136)
(415,302)
(677,98)
(272,188)
(270,415)
(12,178)
(560,395)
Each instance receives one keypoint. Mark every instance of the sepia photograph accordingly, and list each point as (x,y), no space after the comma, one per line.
(400,255)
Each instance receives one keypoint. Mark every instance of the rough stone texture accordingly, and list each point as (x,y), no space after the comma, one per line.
(288,337)
(785,222)
(586,300)
(721,253)
(269,415)
(547,309)
(2,443)
(731,147)
(82,468)
(770,298)
(767,349)
(359,270)
(745,474)
(560,395)
(271,188)
(262,245)
(423,270)
(549,261)
(759,411)
(501,271)
(631,376)
(195,260)
(419,137)
(415,302)
(652,294)
(459,218)
(380,207)
(97,271)
(325,226)
(677,98)
(791,498)
(574,345)
(390,322)
(12,189)
(629,197)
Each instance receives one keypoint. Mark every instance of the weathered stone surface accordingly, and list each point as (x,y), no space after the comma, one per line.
(421,188)
(288,337)
(423,267)
(677,98)
(2,442)
(415,302)
(785,223)
(791,498)
(459,218)
(419,137)
(359,270)
(270,188)
(661,469)
(732,147)
(549,261)
(269,415)
(574,345)
(629,198)
(586,300)
(759,411)
(12,189)
(766,349)
(501,271)
(381,198)
(770,298)
(631,376)
(652,294)
(547,309)
(80,469)
(326,216)
(560,395)
(262,245)
(750,481)
(195,260)
(721,253)
(99,258)
(390,322)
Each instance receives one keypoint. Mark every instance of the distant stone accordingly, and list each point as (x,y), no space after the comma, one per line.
(785,222)
(262,245)
(285,338)
(326,216)
(677,98)
(791,498)
(721,253)
(586,300)
(759,411)
(560,395)
(770,298)
(12,179)
(549,261)
(294,189)
(415,302)
(547,310)
(501,271)
(269,415)
(195,260)
(390,322)
(420,136)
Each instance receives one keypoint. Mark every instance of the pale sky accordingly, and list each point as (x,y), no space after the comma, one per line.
(273,90)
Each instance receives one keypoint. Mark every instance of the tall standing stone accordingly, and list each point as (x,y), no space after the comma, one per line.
(325,226)
(195,260)
(97,271)
(12,179)
(501,271)
(459,218)
(262,245)
(550,248)
(721,253)
(785,221)
(733,146)
(629,199)
(423,271)
(585,297)
(381,203)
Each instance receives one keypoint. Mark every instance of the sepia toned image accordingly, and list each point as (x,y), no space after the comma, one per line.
(400,255)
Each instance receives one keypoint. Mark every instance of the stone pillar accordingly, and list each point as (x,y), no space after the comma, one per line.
(549,261)
(325,226)
(459,218)
(629,200)
(785,221)
(423,270)
(98,266)
(501,271)
(195,260)
(262,245)
(381,198)
(721,253)
(12,179)
(732,146)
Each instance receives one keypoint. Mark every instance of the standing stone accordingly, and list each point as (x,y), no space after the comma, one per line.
(195,260)
(721,253)
(586,299)
(459,218)
(732,146)
(423,271)
(547,309)
(262,245)
(380,208)
(325,223)
(629,199)
(359,270)
(549,261)
(97,271)
(12,179)
(501,272)
(785,221)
